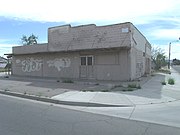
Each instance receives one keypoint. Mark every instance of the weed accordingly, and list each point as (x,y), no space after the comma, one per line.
(67,81)
(116,86)
(128,89)
(87,90)
(166,71)
(39,94)
(163,83)
(171,81)
(6,90)
(104,90)
(138,87)
(83,90)
(134,86)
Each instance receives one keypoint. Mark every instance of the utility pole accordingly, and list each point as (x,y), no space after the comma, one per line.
(169,56)
(169,63)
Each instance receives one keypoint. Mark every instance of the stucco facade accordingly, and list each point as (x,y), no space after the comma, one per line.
(113,52)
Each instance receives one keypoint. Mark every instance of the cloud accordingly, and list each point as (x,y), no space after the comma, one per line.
(158,20)
(80,10)
(6,49)
(167,34)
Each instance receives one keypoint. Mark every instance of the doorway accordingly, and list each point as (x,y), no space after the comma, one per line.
(86,67)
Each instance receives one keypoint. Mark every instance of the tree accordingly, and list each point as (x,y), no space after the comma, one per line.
(176,62)
(31,40)
(158,58)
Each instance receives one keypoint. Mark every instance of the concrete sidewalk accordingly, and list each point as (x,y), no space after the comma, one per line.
(152,92)
(154,102)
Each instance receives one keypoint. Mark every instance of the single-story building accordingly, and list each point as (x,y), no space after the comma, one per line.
(112,52)
(3,62)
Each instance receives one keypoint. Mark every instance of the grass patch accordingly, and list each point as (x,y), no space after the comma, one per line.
(171,81)
(163,83)
(67,81)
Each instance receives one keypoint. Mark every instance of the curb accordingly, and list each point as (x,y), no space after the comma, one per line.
(49,100)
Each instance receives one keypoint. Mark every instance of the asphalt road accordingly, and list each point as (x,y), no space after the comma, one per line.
(177,68)
(25,117)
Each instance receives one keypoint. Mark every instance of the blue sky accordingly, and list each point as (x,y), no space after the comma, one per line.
(158,20)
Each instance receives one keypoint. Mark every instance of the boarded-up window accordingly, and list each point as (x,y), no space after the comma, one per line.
(83,60)
(89,60)
(86,60)
(107,59)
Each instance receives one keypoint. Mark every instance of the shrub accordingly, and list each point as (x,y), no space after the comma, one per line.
(171,81)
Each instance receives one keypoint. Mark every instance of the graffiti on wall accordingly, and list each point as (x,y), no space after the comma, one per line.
(30,64)
(59,63)
(139,69)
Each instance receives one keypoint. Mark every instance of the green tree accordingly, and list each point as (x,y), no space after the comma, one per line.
(31,40)
(158,58)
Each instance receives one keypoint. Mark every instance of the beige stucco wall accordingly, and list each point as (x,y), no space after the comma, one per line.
(108,65)
(88,37)
(120,52)
(140,53)
(30,49)
(47,65)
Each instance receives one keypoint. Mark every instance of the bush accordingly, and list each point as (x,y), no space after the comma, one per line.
(171,81)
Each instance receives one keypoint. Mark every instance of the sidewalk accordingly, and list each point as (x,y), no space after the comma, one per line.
(154,102)
(151,92)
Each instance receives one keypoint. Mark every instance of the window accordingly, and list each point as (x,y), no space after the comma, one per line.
(89,60)
(83,61)
(86,60)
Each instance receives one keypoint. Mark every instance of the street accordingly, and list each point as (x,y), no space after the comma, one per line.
(177,68)
(25,117)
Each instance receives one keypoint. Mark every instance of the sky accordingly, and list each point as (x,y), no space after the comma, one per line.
(158,20)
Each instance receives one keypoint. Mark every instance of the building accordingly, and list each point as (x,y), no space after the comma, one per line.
(112,52)
(3,62)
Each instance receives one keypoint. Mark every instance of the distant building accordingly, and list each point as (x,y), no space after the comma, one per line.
(112,52)
(3,62)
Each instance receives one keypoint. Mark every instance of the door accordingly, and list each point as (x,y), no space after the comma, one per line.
(86,67)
